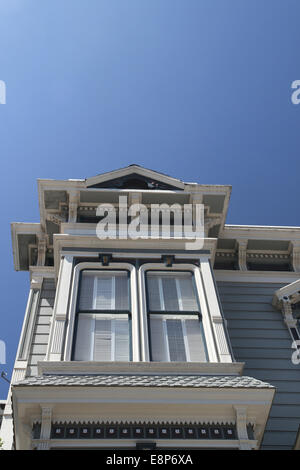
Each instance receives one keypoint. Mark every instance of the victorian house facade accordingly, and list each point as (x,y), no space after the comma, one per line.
(152,342)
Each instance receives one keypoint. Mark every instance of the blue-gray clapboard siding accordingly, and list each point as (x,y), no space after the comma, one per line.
(41,326)
(260,338)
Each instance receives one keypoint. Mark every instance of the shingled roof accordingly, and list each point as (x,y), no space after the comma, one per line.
(192,381)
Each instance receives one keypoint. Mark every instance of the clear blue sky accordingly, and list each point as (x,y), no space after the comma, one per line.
(198,89)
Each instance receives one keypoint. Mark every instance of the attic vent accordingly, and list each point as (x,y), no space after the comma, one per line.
(134,183)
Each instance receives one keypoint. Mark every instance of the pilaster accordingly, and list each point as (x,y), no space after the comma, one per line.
(55,349)
(218,322)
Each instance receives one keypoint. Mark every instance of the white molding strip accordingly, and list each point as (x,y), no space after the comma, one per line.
(276,277)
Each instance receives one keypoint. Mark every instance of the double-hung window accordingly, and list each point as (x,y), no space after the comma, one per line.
(174,317)
(103,326)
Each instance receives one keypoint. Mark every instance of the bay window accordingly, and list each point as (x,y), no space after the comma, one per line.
(103,317)
(150,313)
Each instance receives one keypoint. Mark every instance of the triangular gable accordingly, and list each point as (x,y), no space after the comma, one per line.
(135,177)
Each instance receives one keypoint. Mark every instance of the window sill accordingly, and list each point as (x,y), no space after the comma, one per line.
(176,368)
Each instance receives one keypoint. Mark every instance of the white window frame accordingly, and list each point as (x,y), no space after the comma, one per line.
(133,303)
(209,336)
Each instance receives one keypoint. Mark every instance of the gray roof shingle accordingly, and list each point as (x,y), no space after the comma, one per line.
(193,381)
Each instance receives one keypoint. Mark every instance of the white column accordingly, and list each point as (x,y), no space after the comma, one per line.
(55,348)
(217,319)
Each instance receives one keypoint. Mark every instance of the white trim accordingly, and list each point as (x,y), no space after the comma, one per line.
(61,241)
(276,277)
(161,295)
(113,340)
(28,325)
(60,310)
(179,296)
(179,444)
(261,232)
(156,404)
(140,368)
(134,169)
(167,349)
(215,314)
(185,339)
(134,312)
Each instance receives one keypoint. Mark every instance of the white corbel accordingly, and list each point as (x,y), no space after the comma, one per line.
(74,196)
(242,254)
(44,441)
(210,222)
(42,248)
(295,252)
(241,426)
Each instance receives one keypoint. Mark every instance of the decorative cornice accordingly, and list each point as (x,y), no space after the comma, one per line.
(142,430)
(157,420)
(260,255)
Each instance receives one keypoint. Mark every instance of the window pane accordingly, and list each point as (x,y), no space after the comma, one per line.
(86,291)
(177,338)
(104,291)
(195,338)
(102,340)
(104,295)
(122,291)
(84,338)
(171,292)
(159,351)
(154,297)
(121,340)
(187,293)
(102,337)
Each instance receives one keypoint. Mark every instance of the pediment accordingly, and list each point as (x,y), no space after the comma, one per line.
(135,177)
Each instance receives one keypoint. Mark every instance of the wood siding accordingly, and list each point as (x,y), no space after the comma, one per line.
(41,326)
(260,338)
